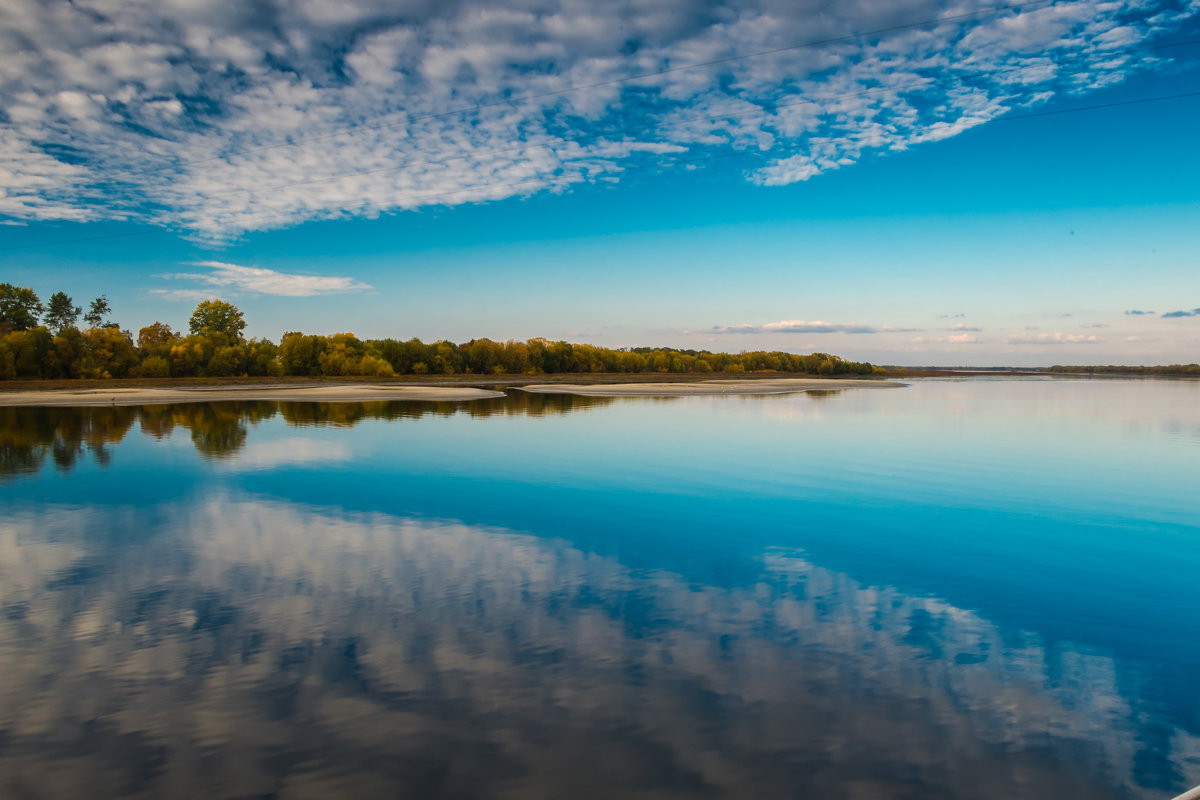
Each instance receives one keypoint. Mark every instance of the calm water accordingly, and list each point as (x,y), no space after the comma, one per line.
(959,589)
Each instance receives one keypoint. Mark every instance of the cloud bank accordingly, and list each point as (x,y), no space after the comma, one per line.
(224,117)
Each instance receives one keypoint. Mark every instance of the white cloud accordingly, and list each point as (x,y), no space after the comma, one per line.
(802,326)
(258,280)
(1057,337)
(183,295)
(957,338)
(226,117)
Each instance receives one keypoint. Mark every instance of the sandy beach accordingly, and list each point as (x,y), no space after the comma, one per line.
(309,394)
(717,387)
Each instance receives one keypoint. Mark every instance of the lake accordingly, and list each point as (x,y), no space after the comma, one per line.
(977,588)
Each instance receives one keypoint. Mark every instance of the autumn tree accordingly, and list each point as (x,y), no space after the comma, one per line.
(107,353)
(155,337)
(154,346)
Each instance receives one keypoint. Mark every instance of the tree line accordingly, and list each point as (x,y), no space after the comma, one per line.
(45,342)
(1166,369)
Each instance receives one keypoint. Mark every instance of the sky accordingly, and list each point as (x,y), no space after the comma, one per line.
(917,182)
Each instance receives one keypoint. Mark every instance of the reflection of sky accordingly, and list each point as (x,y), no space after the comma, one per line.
(1056,516)
(253,647)
(292,451)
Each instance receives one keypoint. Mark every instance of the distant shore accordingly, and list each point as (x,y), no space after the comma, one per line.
(431,388)
(713,387)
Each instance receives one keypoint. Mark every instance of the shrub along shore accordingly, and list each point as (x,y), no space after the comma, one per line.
(56,349)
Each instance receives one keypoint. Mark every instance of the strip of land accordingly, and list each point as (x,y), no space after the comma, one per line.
(341,393)
(717,387)
(350,392)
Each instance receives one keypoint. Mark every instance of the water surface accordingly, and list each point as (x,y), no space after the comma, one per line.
(982,588)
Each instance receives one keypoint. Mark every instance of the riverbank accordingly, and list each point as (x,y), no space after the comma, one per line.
(430,388)
(142,396)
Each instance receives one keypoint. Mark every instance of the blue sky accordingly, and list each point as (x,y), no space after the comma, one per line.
(460,170)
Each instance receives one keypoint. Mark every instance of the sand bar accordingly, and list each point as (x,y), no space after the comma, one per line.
(350,393)
(719,387)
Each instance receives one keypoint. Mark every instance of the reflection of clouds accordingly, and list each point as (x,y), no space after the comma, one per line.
(251,649)
(292,451)
(26,562)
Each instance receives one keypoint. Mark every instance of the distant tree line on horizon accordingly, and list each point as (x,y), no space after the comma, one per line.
(1116,369)
(45,342)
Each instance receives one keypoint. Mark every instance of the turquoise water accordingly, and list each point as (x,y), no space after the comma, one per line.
(975,588)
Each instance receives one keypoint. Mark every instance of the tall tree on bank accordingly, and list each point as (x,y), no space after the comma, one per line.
(19,307)
(217,316)
(61,312)
(97,311)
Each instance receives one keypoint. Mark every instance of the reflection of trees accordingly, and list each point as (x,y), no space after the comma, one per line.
(28,435)
(339,655)
(218,431)
(514,404)
(823,394)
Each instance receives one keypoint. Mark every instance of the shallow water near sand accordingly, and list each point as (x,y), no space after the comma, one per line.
(958,589)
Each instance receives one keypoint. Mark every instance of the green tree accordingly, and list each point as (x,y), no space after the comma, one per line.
(152,367)
(217,316)
(19,307)
(226,361)
(97,311)
(61,312)
(300,354)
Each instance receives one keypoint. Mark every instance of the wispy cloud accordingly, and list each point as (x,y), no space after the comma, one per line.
(960,326)
(1136,313)
(1057,337)
(1195,312)
(183,295)
(226,117)
(803,326)
(258,280)
(957,338)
